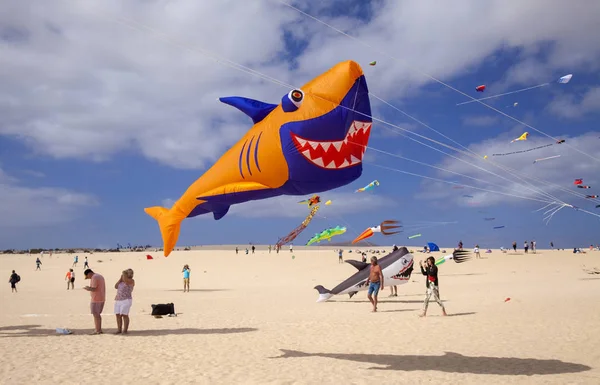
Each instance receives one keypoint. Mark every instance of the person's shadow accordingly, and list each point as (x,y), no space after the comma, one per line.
(452,363)
(38,331)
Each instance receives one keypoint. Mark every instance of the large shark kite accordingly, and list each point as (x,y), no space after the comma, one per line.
(313,141)
(396,268)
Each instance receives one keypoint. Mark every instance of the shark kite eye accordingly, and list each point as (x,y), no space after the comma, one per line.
(292,101)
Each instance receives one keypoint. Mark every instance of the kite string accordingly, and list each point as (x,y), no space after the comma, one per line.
(216,58)
(428,76)
(456,184)
(477,156)
(506,93)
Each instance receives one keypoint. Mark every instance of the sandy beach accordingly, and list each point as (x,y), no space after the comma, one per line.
(253,319)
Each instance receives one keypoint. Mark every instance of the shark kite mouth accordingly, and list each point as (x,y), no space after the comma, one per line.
(339,154)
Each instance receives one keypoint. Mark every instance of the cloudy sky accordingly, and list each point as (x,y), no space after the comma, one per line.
(110,107)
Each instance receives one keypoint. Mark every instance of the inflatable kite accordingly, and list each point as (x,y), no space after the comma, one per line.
(582,186)
(373,63)
(291,236)
(326,234)
(480,88)
(313,141)
(522,137)
(458,256)
(565,79)
(396,268)
(382,228)
(315,199)
(578,181)
(368,187)
(592,196)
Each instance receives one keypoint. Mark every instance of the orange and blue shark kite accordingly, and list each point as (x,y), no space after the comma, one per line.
(313,141)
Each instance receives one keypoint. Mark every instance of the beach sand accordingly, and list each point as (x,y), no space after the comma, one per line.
(253,319)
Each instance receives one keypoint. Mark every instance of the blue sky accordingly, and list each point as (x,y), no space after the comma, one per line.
(99,120)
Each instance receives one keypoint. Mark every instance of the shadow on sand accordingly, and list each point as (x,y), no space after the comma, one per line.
(198,290)
(36,331)
(452,363)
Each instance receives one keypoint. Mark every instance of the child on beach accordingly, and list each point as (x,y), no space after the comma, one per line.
(186,277)
(38,263)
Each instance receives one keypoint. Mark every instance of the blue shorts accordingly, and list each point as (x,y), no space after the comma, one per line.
(374,287)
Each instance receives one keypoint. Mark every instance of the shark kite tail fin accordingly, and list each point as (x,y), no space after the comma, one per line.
(324,294)
(169,225)
(461,256)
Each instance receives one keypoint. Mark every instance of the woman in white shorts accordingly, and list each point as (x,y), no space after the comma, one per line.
(123,300)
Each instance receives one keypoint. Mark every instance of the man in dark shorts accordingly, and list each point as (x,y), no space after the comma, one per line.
(375,282)
(14,278)
(97,290)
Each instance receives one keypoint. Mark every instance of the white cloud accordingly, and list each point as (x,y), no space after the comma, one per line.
(553,176)
(22,206)
(76,84)
(567,106)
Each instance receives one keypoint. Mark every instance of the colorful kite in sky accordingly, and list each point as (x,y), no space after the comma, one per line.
(480,88)
(522,137)
(565,79)
(326,235)
(313,141)
(294,233)
(458,256)
(382,228)
(368,187)
(314,200)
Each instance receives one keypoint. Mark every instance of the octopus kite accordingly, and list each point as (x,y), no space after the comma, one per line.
(383,228)
(315,199)
(292,235)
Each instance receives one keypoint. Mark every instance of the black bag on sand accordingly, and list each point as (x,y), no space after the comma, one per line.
(163,309)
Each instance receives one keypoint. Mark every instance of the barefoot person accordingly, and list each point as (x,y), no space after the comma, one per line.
(431,271)
(97,291)
(70,278)
(13,280)
(123,300)
(375,282)
(186,277)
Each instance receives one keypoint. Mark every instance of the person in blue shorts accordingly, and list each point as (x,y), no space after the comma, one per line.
(375,282)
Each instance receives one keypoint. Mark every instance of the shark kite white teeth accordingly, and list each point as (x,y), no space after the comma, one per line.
(396,268)
(337,154)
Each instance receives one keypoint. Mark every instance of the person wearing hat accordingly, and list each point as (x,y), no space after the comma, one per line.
(97,291)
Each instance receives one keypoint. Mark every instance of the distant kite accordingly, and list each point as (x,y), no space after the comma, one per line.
(372,63)
(480,88)
(368,187)
(382,228)
(488,219)
(546,158)
(414,236)
(530,149)
(522,137)
(499,227)
(582,186)
(578,181)
(326,234)
(591,196)
(565,79)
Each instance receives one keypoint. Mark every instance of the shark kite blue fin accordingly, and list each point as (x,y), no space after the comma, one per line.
(358,264)
(255,109)
(220,213)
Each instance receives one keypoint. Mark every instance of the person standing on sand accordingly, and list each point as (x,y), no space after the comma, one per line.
(124,300)
(432,284)
(515,246)
(476,251)
(393,291)
(13,280)
(533,246)
(375,282)
(186,278)
(75,260)
(236,250)
(85,263)
(70,278)
(38,263)
(552,245)
(269,249)
(340,256)
(253,248)
(97,291)
(525,246)
(291,247)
